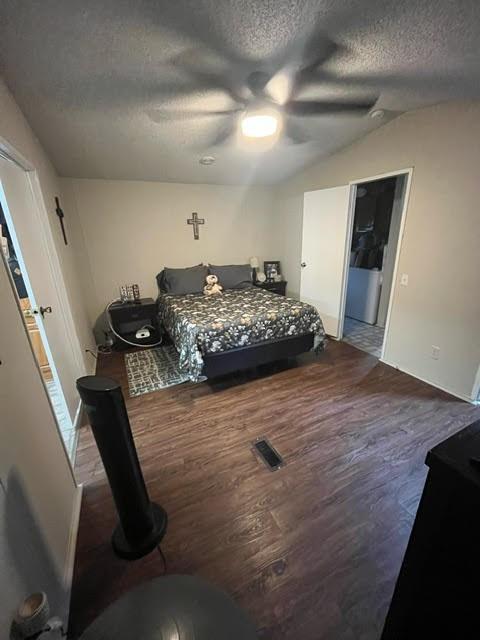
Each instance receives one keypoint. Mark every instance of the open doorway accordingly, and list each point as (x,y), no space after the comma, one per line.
(379,208)
(33,317)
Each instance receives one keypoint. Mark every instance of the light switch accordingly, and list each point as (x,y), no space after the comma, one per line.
(404,279)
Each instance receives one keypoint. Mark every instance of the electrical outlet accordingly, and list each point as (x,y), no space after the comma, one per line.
(435,352)
(404,279)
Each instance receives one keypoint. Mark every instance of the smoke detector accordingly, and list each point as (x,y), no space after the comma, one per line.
(207,160)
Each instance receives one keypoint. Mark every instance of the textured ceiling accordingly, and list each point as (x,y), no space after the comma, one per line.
(88,75)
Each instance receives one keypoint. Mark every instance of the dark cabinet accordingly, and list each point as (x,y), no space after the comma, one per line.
(129,317)
(274,287)
(437,594)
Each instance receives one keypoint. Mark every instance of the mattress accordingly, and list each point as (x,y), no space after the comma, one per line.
(200,325)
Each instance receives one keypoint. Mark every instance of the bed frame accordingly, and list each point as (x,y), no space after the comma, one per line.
(219,364)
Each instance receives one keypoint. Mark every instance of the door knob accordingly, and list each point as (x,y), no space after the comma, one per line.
(303,264)
(43,310)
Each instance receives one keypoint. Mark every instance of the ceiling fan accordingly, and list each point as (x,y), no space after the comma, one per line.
(265,104)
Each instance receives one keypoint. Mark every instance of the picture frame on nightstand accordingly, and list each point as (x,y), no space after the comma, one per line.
(272,270)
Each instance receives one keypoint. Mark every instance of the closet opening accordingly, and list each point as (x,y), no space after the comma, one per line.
(376,230)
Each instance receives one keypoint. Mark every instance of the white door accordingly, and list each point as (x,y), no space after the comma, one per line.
(36,480)
(20,208)
(324,245)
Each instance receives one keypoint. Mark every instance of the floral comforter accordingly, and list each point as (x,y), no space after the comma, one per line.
(201,325)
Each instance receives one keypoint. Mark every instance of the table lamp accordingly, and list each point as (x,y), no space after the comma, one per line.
(254,264)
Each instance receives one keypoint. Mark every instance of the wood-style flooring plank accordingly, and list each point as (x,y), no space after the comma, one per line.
(311,551)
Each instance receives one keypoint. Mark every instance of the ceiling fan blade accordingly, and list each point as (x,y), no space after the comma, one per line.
(300,59)
(318,51)
(124,91)
(319,108)
(295,133)
(214,81)
(163,115)
(375,83)
(222,135)
(193,22)
(256,82)
(190,63)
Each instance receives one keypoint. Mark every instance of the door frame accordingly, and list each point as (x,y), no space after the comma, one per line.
(476,389)
(408,172)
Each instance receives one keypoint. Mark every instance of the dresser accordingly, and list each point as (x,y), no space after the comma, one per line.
(436,595)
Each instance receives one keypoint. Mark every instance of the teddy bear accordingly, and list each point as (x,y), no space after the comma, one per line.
(212,287)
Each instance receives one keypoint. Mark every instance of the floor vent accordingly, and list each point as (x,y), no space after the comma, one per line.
(272,459)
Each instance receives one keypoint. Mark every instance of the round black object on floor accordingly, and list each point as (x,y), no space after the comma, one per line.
(128,551)
(173,608)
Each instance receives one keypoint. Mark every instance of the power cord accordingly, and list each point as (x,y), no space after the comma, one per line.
(164,560)
(101,348)
(132,344)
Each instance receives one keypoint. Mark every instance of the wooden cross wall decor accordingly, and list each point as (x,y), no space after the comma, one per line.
(61,216)
(195,221)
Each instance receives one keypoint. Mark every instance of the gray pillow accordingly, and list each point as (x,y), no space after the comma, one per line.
(181,281)
(233,276)
(161,281)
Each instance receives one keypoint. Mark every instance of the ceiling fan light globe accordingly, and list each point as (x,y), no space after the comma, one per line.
(257,124)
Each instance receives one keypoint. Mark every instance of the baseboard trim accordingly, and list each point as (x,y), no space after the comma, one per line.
(78,414)
(72,539)
(432,384)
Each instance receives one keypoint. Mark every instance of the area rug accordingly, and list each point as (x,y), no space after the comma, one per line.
(153,369)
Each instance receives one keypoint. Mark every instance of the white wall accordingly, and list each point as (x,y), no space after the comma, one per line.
(39,501)
(440,250)
(133,229)
(16,131)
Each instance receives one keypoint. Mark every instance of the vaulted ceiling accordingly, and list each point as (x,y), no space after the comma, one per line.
(118,88)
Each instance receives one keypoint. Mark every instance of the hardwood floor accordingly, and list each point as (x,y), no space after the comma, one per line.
(311,551)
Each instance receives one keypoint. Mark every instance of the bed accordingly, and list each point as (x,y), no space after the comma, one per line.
(241,328)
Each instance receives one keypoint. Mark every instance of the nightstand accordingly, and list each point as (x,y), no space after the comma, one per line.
(274,287)
(128,317)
